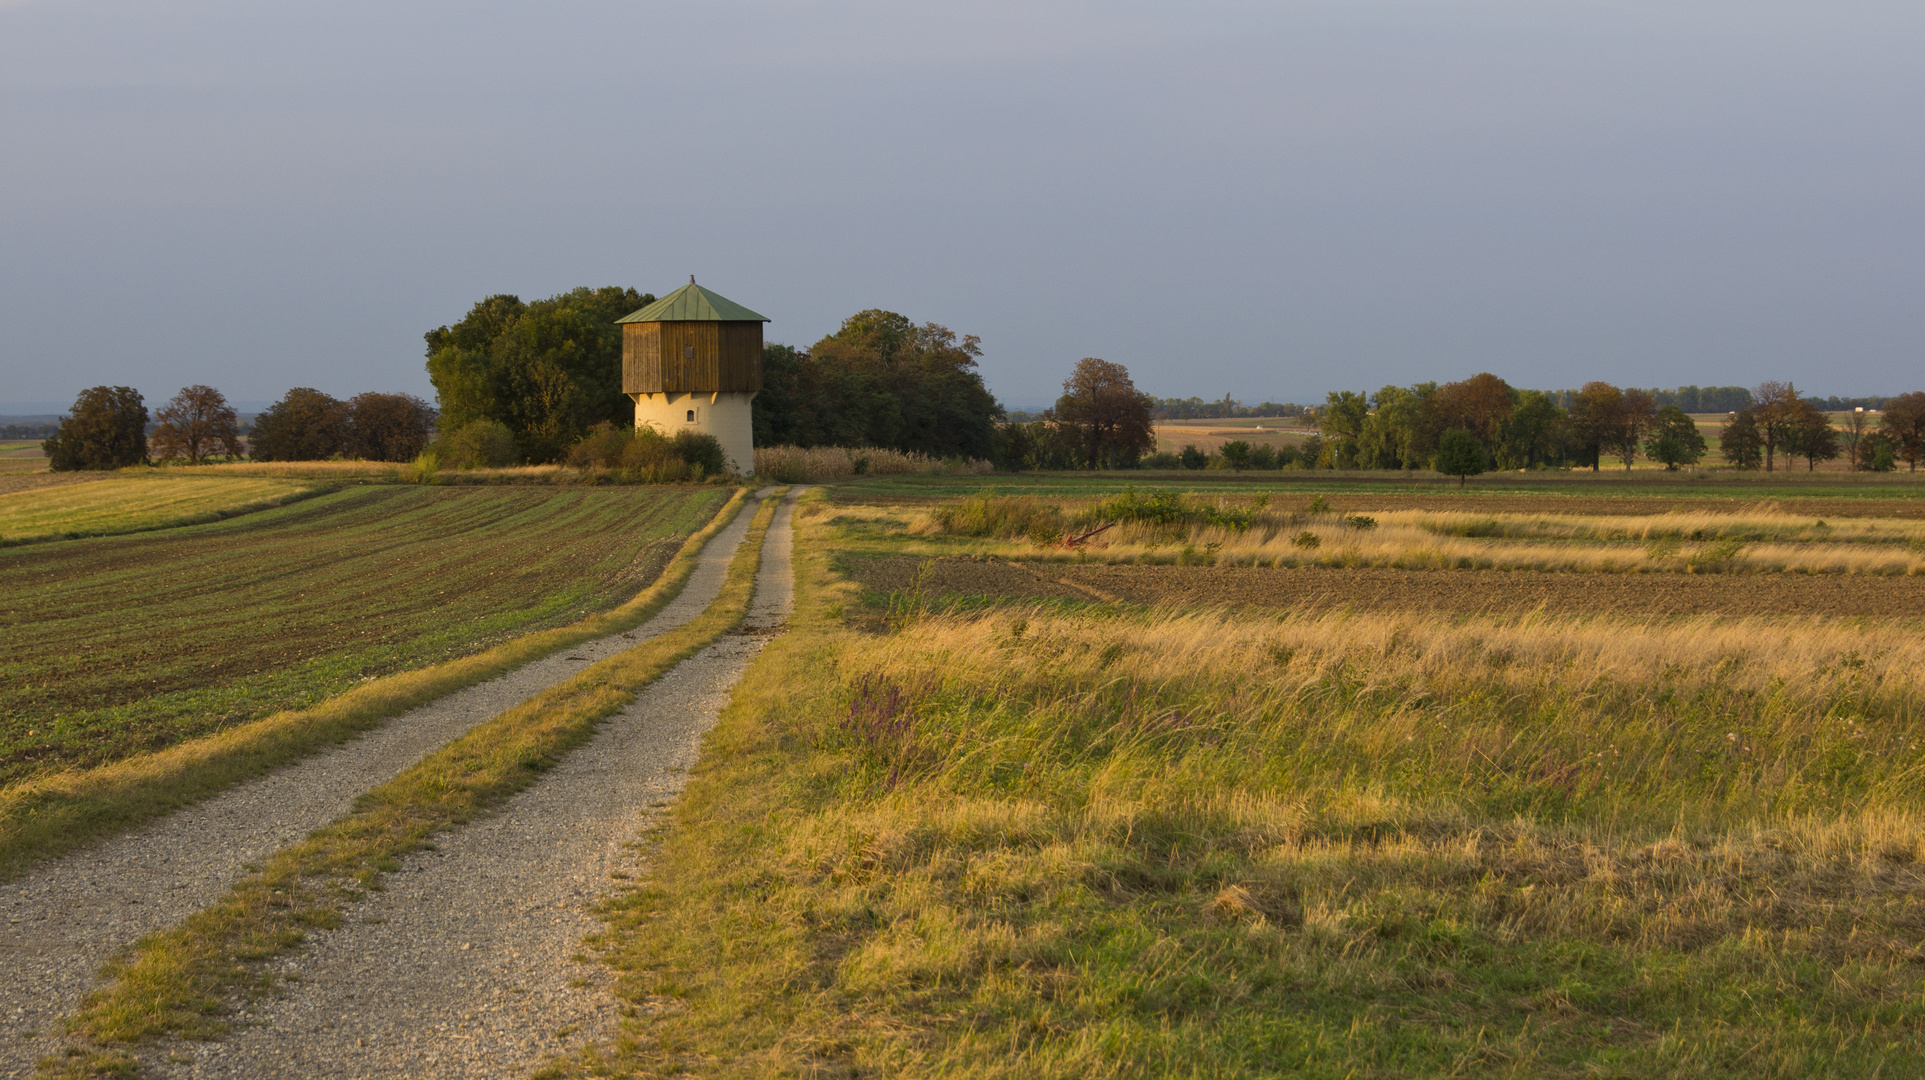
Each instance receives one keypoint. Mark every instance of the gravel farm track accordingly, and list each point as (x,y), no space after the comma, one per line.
(65,919)
(1381,589)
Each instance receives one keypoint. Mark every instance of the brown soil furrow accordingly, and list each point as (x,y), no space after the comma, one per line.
(1453,591)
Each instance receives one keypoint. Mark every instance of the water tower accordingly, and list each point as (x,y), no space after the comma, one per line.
(692,361)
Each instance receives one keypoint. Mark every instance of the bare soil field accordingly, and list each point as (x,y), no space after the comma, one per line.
(1374,589)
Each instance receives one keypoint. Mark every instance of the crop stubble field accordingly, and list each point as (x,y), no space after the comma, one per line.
(966,820)
(116,645)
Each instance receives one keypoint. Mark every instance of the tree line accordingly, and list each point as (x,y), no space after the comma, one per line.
(109,428)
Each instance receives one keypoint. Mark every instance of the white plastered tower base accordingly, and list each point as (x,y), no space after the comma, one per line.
(725,415)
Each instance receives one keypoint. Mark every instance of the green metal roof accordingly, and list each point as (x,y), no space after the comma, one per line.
(692,303)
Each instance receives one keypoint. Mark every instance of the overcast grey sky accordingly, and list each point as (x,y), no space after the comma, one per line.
(1269,199)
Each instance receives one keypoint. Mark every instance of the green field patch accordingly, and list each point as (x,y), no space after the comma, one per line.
(118,645)
(123,504)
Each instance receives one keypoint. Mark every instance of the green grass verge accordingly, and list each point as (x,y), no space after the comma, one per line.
(1148,844)
(50,815)
(124,504)
(179,981)
(116,646)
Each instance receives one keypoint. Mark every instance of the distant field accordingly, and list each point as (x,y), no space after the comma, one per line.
(111,646)
(122,504)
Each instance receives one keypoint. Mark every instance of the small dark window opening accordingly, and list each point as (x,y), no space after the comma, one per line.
(691,416)
(688,352)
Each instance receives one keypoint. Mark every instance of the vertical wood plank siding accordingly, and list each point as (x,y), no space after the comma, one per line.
(727,357)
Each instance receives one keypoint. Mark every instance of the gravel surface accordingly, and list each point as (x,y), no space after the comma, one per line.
(468,963)
(67,918)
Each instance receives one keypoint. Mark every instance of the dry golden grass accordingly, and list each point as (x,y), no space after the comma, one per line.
(1029,842)
(1758,540)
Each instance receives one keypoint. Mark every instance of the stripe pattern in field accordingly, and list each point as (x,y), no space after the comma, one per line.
(66,918)
(117,645)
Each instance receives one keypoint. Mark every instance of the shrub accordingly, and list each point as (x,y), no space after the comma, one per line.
(1307,540)
(701,451)
(1007,517)
(1263,457)
(1162,459)
(646,456)
(1360,522)
(1237,453)
(483,444)
(1193,458)
(1164,508)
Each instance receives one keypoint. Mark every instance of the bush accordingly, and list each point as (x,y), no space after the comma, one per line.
(1007,517)
(1263,457)
(483,444)
(1236,453)
(646,456)
(1193,458)
(1165,508)
(1162,460)
(1307,540)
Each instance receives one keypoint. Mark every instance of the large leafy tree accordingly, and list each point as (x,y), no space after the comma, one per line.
(305,425)
(1342,423)
(1461,454)
(880,380)
(1480,405)
(197,424)
(1597,421)
(1776,413)
(107,429)
(548,370)
(388,427)
(1810,435)
(1904,425)
(1674,439)
(1401,431)
(1104,415)
(1740,443)
(1534,432)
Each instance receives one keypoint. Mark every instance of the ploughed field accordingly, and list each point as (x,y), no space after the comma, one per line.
(116,645)
(1318,588)
(119,504)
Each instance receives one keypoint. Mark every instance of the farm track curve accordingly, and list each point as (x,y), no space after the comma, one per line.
(465,964)
(69,917)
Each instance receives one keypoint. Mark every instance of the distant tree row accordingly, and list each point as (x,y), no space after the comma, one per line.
(1229,408)
(1403,427)
(108,429)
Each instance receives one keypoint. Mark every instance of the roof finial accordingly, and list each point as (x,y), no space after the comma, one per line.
(691,279)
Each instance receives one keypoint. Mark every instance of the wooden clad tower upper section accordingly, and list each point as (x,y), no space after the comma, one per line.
(692,341)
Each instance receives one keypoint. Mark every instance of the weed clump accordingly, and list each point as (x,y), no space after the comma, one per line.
(1005,517)
(1170,509)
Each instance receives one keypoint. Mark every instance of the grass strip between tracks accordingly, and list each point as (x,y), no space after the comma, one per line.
(49,816)
(178,981)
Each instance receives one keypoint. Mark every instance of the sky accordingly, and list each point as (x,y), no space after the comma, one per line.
(1271,200)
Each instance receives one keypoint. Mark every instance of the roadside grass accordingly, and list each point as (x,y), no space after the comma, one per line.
(123,645)
(1760,539)
(126,504)
(1108,842)
(180,981)
(47,816)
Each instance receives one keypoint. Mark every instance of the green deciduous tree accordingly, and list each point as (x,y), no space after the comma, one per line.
(880,380)
(1673,439)
(1104,413)
(1810,435)
(1342,423)
(548,369)
(388,427)
(1461,454)
(1904,424)
(106,429)
(1533,434)
(195,425)
(1596,420)
(1740,442)
(305,425)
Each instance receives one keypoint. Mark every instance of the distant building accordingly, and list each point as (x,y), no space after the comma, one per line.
(692,361)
